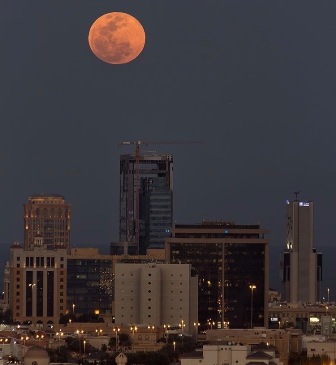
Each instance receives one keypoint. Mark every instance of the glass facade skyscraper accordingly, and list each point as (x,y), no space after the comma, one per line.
(229,259)
(146,200)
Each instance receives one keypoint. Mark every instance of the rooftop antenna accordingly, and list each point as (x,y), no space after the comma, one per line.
(296,193)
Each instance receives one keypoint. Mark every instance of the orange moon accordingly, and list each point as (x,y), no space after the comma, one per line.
(117,38)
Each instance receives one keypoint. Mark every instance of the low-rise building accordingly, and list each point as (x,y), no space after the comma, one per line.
(322,348)
(230,353)
(284,341)
(316,318)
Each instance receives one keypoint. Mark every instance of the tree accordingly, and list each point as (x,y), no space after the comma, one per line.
(125,340)
(6,317)
(104,347)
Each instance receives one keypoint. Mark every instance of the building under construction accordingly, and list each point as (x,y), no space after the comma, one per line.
(146,200)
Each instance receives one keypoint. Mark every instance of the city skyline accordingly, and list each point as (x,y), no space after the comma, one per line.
(253,80)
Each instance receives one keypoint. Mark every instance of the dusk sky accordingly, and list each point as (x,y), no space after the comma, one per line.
(255,80)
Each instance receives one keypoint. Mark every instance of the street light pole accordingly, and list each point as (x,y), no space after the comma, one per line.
(116,329)
(166,328)
(328,296)
(196,324)
(252,287)
(98,332)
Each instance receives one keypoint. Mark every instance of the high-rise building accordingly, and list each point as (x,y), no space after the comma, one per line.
(89,282)
(47,216)
(146,200)
(37,286)
(232,264)
(301,263)
(156,294)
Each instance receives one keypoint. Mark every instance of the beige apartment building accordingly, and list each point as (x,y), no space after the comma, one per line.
(37,287)
(156,294)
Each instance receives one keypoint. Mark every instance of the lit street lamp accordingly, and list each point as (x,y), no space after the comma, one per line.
(79,333)
(59,334)
(116,330)
(73,308)
(133,329)
(196,324)
(99,332)
(211,323)
(226,324)
(252,287)
(182,325)
(24,339)
(166,328)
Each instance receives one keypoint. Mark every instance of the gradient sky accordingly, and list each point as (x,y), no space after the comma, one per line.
(253,79)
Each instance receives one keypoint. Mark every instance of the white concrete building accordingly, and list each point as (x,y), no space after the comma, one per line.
(301,263)
(156,294)
(322,348)
(229,353)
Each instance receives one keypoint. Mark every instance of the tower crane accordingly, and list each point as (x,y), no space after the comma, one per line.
(137,145)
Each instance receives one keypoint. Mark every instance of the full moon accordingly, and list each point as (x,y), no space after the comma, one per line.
(116,38)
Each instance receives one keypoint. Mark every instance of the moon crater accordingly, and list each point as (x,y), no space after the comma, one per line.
(116,38)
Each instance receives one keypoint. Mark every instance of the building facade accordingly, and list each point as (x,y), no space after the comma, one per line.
(285,341)
(319,318)
(155,294)
(89,282)
(38,285)
(232,264)
(146,200)
(221,352)
(300,262)
(48,216)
